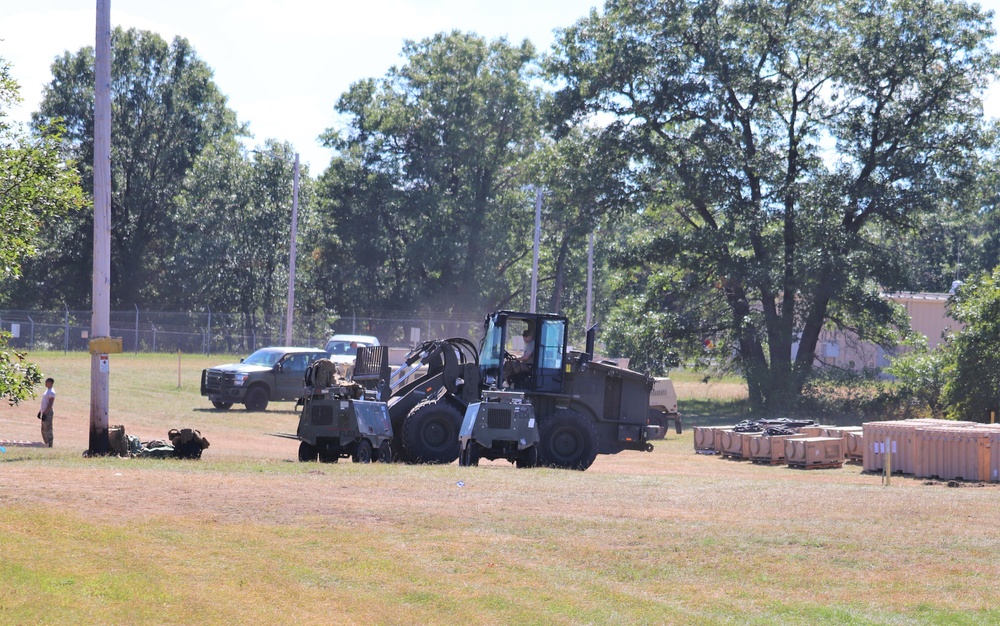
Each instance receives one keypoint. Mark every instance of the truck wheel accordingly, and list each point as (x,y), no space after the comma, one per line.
(470,455)
(256,399)
(363,453)
(224,406)
(658,418)
(307,452)
(384,454)
(527,458)
(568,441)
(430,433)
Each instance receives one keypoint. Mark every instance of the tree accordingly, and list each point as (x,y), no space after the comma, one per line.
(37,188)
(424,201)
(788,141)
(165,110)
(585,186)
(233,227)
(972,355)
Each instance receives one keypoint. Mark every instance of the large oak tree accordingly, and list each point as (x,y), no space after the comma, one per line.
(784,143)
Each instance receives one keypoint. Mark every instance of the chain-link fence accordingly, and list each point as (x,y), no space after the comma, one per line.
(225,333)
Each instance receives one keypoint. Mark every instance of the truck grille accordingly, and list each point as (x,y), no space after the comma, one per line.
(215,380)
(498,419)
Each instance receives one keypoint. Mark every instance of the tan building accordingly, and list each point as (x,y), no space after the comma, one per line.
(928,316)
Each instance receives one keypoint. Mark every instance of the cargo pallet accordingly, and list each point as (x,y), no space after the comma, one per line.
(766,461)
(733,456)
(831,465)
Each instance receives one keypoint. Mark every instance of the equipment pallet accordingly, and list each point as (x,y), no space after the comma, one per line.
(767,461)
(807,466)
(733,456)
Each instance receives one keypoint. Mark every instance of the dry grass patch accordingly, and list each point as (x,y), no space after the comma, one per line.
(248,535)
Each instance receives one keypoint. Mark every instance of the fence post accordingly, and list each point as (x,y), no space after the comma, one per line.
(208,343)
(137,330)
(31,342)
(66,338)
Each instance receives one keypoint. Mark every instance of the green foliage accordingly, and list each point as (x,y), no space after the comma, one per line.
(972,387)
(37,188)
(845,396)
(234,221)
(18,377)
(165,110)
(921,376)
(424,203)
(783,148)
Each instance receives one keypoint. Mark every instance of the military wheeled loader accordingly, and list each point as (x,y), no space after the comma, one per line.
(582,407)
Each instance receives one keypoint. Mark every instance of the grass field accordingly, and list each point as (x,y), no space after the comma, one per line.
(247,535)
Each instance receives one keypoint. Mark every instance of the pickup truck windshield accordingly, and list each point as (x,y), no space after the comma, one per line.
(266,358)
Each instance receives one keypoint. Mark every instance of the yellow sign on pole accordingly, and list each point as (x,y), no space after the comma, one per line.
(106,345)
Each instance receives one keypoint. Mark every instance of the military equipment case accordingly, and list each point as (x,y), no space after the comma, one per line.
(502,426)
(335,427)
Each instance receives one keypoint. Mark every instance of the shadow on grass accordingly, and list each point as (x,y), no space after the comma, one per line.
(706,412)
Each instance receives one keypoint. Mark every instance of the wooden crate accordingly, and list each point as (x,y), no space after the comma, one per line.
(769,449)
(854,446)
(705,439)
(734,445)
(809,452)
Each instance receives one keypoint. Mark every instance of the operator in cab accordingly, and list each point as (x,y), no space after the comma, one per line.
(518,366)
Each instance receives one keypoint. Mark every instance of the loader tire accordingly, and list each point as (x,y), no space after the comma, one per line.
(430,433)
(568,441)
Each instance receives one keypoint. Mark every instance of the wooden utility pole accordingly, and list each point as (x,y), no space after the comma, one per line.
(100,325)
(291,254)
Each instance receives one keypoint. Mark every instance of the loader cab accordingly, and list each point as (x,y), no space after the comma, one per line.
(503,343)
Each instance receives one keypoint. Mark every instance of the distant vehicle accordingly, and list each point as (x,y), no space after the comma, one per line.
(341,352)
(267,375)
(340,345)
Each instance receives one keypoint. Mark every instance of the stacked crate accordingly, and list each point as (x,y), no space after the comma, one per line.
(842,433)
(940,449)
(705,439)
(854,446)
(768,449)
(735,444)
(753,441)
(814,452)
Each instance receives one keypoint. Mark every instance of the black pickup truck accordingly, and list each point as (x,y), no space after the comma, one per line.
(267,375)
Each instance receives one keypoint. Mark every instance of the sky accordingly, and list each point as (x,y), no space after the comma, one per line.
(282,63)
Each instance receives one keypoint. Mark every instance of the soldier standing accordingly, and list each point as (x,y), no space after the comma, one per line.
(45,414)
